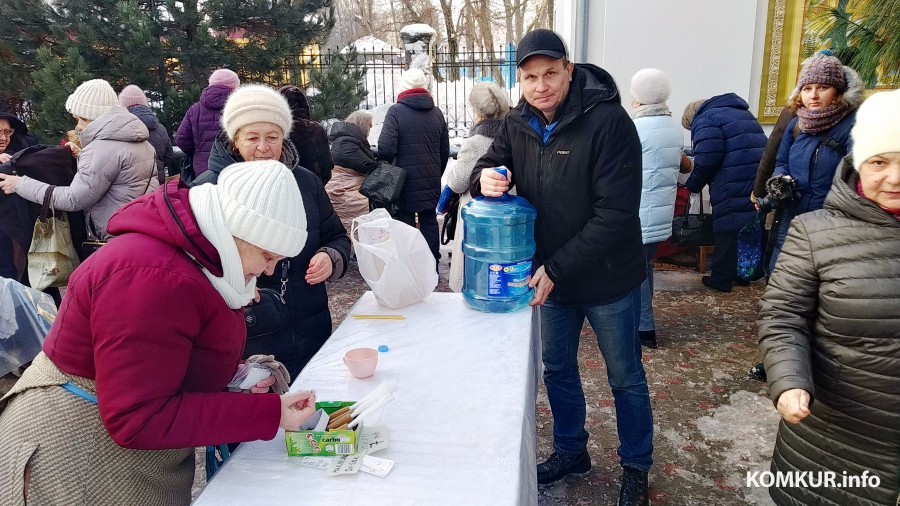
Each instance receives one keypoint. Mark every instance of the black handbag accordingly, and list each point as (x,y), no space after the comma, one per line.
(384,183)
(693,229)
(267,319)
(451,220)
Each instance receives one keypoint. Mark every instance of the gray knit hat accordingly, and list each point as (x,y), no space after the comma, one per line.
(650,86)
(91,99)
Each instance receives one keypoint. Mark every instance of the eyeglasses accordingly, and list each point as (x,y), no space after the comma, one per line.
(7,133)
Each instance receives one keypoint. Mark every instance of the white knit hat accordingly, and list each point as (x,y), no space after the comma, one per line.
(91,99)
(254,103)
(413,78)
(877,126)
(650,86)
(261,204)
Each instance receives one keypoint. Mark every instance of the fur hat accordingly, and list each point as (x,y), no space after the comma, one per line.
(261,204)
(689,112)
(224,77)
(91,99)
(877,124)
(650,86)
(489,101)
(823,68)
(131,95)
(253,103)
(413,78)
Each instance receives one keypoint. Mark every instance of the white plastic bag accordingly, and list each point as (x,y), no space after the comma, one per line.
(26,316)
(394,259)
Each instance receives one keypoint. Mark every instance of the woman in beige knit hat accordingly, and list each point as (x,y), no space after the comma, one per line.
(116,164)
(256,123)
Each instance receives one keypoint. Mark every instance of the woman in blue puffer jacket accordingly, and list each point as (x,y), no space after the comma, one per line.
(826,99)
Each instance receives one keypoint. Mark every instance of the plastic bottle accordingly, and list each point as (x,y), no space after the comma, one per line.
(498,245)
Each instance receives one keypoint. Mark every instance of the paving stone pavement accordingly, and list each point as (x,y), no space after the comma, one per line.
(712,423)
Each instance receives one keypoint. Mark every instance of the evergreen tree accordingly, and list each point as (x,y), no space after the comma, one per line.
(54,80)
(167,47)
(338,86)
(24,27)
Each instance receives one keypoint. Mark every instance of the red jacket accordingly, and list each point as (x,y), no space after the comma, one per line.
(141,319)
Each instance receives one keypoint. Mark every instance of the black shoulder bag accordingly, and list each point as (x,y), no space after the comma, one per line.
(693,229)
(268,321)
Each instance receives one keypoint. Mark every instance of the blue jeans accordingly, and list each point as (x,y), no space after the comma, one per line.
(616,327)
(647,322)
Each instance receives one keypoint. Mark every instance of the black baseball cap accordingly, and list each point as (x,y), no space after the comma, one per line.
(540,42)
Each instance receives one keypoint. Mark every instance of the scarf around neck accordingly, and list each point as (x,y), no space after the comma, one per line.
(650,110)
(208,213)
(813,122)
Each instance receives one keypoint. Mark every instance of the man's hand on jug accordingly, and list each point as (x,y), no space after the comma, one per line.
(494,184)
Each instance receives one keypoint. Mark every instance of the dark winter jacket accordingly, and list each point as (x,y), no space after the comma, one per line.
(829,324)
(310,317)
(308,136)
(728,144)
(200,126)
(414,136)
(159,137)
(350,149)
(585,182)
(767,162)
(811,160)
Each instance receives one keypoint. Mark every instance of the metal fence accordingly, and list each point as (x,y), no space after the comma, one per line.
(454,75)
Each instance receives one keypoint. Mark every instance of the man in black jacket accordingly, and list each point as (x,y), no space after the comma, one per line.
(575,155)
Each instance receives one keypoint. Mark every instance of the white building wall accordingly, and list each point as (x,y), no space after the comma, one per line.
(706,47)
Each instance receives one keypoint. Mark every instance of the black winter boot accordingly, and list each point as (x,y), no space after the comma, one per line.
(635,488)
(560,465)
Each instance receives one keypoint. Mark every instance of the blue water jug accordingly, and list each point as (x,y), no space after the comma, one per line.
(498,244)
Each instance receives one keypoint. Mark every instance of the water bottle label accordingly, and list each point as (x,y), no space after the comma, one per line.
(509,280)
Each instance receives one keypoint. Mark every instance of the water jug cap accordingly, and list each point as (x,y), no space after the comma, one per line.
(382,347)
(502,170)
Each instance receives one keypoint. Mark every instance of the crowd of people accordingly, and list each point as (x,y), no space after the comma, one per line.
(266,198)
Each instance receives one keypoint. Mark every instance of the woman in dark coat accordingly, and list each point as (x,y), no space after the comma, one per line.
(134,99)
(825,100)
(830,331)
(728,143)
(308,136)
(13,137)
(255,120)
(414,136)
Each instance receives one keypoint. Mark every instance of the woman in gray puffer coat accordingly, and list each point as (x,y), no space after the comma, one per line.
(489,104)
(116,164)
(829,328)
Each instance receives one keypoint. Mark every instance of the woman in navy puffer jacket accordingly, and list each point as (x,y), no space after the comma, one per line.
(826,99)
(728,143)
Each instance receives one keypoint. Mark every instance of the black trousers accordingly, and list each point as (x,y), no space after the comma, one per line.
(428,226)
(724,260)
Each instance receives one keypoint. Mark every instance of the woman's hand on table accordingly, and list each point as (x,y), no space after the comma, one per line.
(319,269)
(793,405)
(296,407)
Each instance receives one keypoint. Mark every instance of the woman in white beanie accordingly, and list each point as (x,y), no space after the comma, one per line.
(111,410)
(256,123)
(829,327)
(116,164)
(489,105)
(662,148)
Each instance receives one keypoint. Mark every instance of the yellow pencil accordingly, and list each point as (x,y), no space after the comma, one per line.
(377,317)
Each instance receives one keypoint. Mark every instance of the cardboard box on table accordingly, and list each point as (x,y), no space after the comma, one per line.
(305,443)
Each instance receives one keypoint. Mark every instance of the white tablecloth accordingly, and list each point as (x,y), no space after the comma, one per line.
(461,427)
